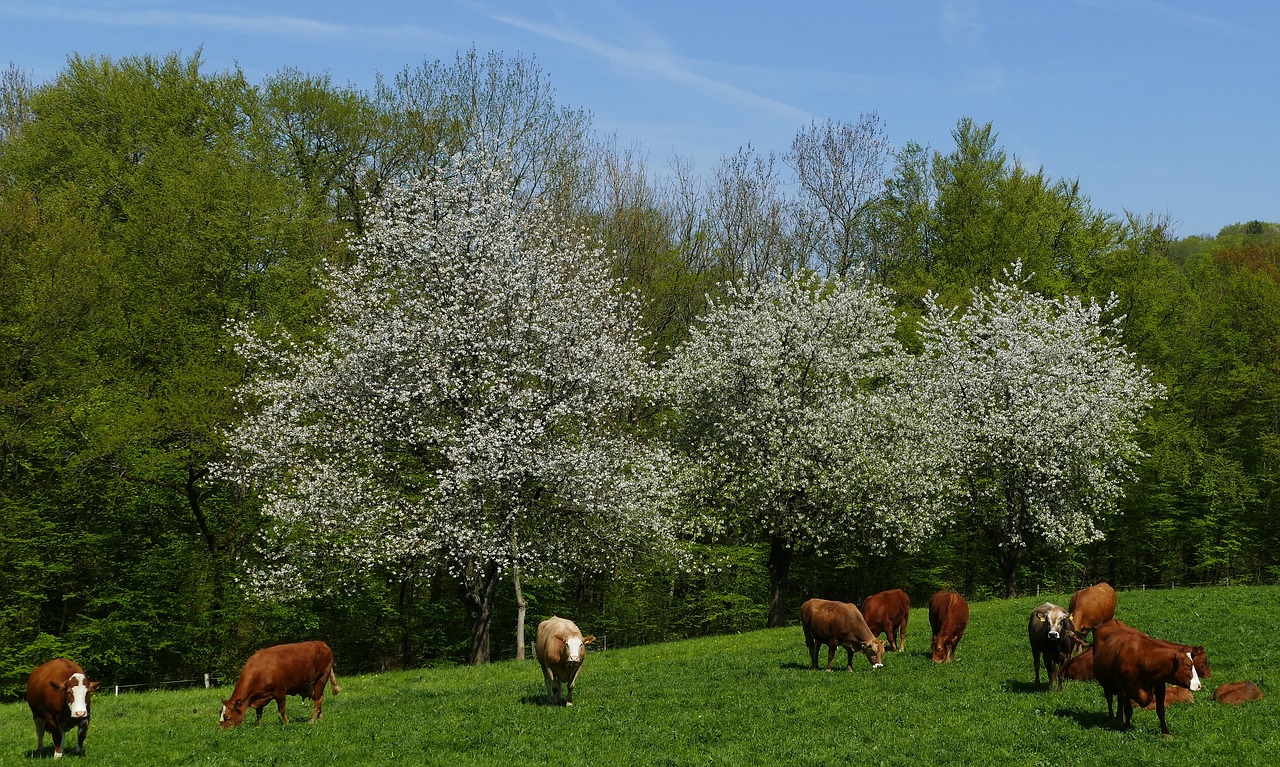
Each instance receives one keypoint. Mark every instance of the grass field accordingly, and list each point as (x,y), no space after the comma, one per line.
(735,700)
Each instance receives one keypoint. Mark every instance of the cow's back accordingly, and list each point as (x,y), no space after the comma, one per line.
(1235,693)
(1092,606)
(885,609)
(826,619)
(295,668)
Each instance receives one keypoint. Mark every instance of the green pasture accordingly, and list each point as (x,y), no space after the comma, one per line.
(735,700)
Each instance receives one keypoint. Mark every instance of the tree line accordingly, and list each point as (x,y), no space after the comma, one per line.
(154,216)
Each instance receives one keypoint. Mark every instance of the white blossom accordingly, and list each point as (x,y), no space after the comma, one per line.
(463,403)
(1038,403)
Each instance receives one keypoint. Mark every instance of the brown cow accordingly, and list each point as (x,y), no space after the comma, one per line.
(1135,667)
(1078,667)
(948,617)
(838,624)
(1235,693)
(1092,606)
(886,613)
(1052,638)
(560,649)
(1172,694)
(58,694)
(1199,656)
(271,673)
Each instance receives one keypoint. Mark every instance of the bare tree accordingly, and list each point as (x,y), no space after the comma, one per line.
(840,169)
(15,110)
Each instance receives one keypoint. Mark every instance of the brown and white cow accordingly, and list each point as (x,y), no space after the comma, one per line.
(838,624)
(948,618)
(1052,639)
(58,693)
(561,649)
(301,668)
(1134,667)
(1235,693)
(886,613)
(1199,656)
(1092,606)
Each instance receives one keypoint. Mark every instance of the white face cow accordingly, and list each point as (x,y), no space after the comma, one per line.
(77,688)
(573,649)
(1195,677)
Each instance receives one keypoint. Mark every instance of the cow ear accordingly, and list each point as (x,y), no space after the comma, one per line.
(589,640)
(55,684)
(93,686)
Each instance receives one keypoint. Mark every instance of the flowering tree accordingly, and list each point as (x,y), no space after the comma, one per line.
(1038,404)
(464,402)
(786,405)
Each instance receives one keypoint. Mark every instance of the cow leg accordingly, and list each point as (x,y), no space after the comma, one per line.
(1035,661)
(549,679)
(848,651)
(258,710)
(831,654)
(1164,728)
(1111,714)
(811,642)
(573,680)
(56,733)
(284,718)
(82,731)
(39,736)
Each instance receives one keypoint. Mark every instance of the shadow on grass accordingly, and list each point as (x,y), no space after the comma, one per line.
(1087,719)
(1024,687)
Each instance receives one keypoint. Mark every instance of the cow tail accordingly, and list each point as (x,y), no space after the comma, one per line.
(333,681)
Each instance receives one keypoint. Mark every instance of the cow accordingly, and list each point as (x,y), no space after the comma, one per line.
(1092,606)
(1199,656)
(1235,693)
(886,613)
(1135,667)
(1172,694)
(58,695)
(838,624)
(948,618)
(301,668)
(1078,667)
(1052,638)
(560,649)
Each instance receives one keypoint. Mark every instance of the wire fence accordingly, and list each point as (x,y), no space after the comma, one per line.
(208,681)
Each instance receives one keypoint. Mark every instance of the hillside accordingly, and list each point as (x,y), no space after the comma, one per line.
(744,699)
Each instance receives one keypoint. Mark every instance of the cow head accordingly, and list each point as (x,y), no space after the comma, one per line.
(75,693)
(874,650)
(1184,671)
(1200,659)
(232,713)
(575,647)
(1056,622)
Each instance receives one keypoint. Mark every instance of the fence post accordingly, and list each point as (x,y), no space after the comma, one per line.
(117,691)
(206,681)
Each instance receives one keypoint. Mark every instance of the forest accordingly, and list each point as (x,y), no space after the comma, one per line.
(154,215)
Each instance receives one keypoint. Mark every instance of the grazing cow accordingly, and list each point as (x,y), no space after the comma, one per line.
(272,673)
(58,694)
(948,617)
(560,649)
(1135,667)
(1235,693)
(1078,667)
(886,613)
(1092,606)
(1052,638)
(838,624)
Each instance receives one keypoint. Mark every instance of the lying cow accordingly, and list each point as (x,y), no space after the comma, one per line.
(58,695)
(1235,693)
(838,624)
(948,618)
(272,673)
(1135,667)
(1092,606)
(560,649)
(1052,639)
(886,613)
(1078,667)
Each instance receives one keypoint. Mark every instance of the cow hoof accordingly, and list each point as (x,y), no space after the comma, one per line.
(568,704)
(876,666)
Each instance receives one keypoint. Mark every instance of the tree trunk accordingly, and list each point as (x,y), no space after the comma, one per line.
(522,607)
(1009,557)
(780,558)
(476,591)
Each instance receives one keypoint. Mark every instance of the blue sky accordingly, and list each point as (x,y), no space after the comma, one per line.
(1156,106)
